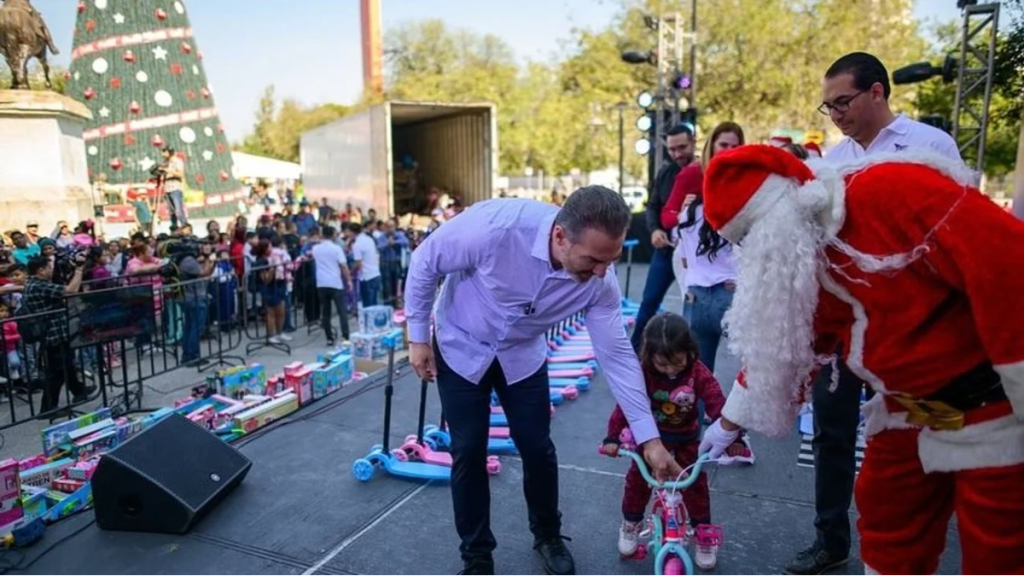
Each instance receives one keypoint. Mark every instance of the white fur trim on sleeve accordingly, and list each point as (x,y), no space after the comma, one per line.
(1013,383)
(762,412)
(990,444)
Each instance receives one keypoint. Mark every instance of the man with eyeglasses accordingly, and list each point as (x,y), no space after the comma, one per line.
(856,97)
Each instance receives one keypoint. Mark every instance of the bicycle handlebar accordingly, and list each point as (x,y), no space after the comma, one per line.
(670,485)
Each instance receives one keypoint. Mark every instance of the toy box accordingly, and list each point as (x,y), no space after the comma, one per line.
(301,383)
(251,380)
(267,412)
(95,444)
(275,385)
(330,377)
(55,436)
(371,346)
(62,505)
(33,501)
(345,349)
(42,476)
(293,367)
(373,319)
(11,509)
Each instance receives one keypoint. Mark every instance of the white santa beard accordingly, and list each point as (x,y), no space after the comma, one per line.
(771,321)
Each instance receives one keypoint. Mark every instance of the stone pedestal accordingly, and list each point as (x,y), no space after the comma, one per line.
(43,171)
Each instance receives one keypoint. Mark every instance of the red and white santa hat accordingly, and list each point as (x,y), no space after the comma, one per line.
(741,184)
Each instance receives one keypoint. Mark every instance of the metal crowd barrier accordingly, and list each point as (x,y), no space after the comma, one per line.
(111,340)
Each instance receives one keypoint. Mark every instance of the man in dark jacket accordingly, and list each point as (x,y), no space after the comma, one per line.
(680,143)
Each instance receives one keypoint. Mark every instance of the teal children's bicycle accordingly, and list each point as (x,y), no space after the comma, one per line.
(667,522)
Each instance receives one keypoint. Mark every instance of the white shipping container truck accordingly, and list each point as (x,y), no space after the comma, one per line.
(364,158)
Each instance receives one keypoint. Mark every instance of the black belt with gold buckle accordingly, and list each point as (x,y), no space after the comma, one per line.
(945,409)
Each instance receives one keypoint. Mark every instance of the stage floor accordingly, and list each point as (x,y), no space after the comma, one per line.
(300,511)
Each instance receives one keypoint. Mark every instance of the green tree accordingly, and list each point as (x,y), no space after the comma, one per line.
(938,97)
(278,128)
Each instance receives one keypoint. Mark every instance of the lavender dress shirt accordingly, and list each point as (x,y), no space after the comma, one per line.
(501,294)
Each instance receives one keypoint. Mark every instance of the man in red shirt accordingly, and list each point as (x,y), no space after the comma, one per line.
(904,261)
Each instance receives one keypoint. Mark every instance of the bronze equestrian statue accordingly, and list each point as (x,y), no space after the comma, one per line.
(23,36)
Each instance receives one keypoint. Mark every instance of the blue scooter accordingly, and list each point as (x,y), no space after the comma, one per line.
(396,462)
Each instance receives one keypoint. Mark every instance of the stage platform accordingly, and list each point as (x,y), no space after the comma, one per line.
(301,512)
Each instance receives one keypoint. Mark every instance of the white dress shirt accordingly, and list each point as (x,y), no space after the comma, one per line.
(900,134)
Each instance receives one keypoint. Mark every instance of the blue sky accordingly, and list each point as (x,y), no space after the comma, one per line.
(310,49)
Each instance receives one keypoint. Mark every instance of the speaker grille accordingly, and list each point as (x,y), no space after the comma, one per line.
(179,456)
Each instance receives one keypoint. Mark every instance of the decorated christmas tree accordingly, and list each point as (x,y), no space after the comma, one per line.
(137,67)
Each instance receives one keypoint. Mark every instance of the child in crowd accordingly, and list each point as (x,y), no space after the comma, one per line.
(11,341)
(676,379)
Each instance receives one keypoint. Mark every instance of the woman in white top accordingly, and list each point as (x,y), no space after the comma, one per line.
(710,279)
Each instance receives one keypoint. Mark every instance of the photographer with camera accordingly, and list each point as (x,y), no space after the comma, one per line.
(43,295)
(171,175)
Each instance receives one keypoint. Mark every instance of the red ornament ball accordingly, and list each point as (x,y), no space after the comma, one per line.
(200,178)
(89,93)
(157,140)
(160,14)
(115,82)
(81,7)
(129,56)
(191,94)
(134,107)
(129,140)
(224,175)
(90,25)
(186,48)
(116,164)
(206,93)
(220,147)
(176,69)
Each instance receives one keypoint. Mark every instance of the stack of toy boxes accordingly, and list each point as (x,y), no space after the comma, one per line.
(375,322)
(241,381)
(342,364)
(299,378)
(11,507)
(267,412)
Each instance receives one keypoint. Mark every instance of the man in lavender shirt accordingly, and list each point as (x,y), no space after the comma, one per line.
(513,268)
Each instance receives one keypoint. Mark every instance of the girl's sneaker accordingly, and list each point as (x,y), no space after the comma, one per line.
(629,537)
(709,538)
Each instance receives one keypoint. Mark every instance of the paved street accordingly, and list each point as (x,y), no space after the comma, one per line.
(300,510)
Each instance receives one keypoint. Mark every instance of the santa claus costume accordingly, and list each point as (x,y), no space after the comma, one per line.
(919,276)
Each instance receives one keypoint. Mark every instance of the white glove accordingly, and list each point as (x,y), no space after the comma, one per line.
(717,439)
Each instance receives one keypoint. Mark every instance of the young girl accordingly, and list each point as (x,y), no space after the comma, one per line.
(11,341)
(676,379)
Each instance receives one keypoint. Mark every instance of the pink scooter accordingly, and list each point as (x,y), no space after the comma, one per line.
(424,454)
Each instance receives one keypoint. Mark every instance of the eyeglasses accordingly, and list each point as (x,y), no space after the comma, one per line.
(841,104)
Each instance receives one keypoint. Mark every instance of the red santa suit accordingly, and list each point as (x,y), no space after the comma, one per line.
(919,276)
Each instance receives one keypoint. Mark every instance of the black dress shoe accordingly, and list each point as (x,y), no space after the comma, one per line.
(478,566)
(557,558)
(815,560)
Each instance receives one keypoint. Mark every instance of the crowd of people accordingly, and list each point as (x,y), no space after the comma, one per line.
(273,270)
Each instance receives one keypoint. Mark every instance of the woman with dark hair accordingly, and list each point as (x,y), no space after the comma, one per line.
(709,273)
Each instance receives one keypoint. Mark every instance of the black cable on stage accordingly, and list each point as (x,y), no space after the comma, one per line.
(7,565)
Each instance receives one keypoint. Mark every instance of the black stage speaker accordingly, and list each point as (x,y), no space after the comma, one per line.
(165,479)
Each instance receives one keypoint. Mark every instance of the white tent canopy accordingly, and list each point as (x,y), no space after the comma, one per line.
(259,167)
